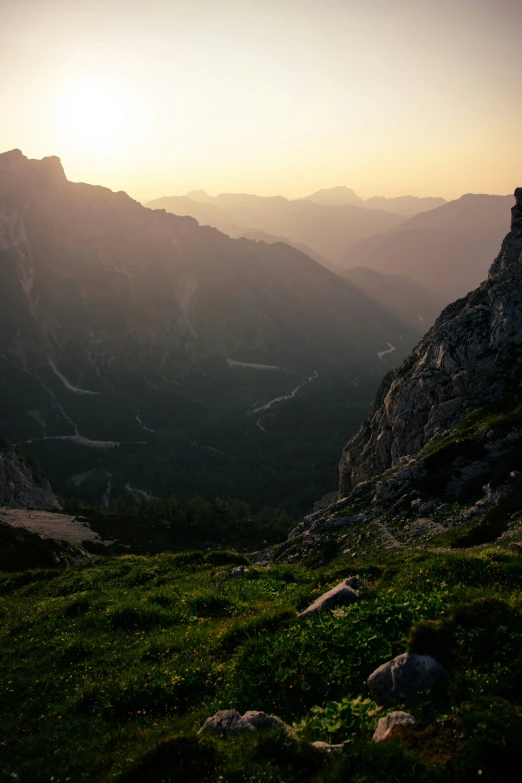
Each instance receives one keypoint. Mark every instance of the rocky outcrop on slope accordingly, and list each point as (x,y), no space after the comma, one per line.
(21,484)
(470,358)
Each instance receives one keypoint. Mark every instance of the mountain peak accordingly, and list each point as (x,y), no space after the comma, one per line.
(337,196)
(198,195)
(12,160)
(50,168)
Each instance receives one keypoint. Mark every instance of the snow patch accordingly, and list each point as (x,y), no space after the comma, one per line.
(292,394)
(65,381)
(233,363)
(143,427)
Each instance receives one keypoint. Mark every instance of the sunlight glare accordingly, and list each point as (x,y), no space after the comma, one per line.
(96,118)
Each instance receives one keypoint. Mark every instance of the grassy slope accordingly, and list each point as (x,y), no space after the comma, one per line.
(110,667)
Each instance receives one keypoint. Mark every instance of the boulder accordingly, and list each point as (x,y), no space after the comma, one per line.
(389,723)
(515,546)
(238,571)
(228,723)
(341,595)
(404,676)
(320,745)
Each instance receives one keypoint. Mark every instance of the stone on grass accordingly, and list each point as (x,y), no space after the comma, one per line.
(238,571)
(227,723)
(404,676)
(320,745)
(389,723)
(515,546)
(341,595)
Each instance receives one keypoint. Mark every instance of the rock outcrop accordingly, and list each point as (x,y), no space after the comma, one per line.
(404,676)
(228,723)
(387,725)
(342,594)
(470,358)
(21,484)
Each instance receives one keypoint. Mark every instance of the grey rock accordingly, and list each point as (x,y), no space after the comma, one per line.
(227,723)
(387,725)
(326,746)
(404,676)
(341,595)
(238,571)
(21,486)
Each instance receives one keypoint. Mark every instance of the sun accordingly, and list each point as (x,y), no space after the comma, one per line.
(96,117)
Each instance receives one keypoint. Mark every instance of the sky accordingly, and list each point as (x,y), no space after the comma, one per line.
(159,97)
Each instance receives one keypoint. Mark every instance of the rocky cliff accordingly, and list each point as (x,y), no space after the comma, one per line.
(440,453)
(21,484)
(470,358)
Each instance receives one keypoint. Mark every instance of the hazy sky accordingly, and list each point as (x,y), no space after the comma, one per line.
(157,97)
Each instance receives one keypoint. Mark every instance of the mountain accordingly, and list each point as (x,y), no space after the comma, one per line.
(142,354)
(470,359)
(439,455)
(404,205)
(262,236)
(328,230)
(413,303)
(399,205)
(338,196)
(447,249)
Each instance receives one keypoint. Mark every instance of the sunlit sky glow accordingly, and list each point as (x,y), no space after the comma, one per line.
(158,97)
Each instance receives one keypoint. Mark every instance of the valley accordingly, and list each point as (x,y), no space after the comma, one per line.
(138,345)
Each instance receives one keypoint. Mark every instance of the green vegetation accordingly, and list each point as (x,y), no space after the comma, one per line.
(179,522)
(201,437)
(110,667)
(20,549)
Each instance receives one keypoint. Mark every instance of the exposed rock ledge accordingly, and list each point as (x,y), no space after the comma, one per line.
(21,486)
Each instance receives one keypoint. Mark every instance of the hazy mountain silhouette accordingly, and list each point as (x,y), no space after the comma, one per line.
(413,303)
(328,230)
(447,249)
(339,196)
(400,205)
(141,352)
(262,236)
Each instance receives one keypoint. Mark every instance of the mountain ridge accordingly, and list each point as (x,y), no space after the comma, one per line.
(447,249)
(114,317)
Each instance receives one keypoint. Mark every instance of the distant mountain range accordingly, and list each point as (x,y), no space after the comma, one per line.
(448,249)
(328,230)
(141,353)
(399,205)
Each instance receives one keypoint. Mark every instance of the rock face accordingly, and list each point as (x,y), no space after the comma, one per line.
(341,595)
(470,358)
(387,725)
(21,486)
(227,723)
(404,676)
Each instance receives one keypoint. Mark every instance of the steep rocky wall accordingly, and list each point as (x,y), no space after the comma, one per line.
(470,358)
(20,487)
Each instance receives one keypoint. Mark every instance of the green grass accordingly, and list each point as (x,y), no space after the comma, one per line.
(109,668)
